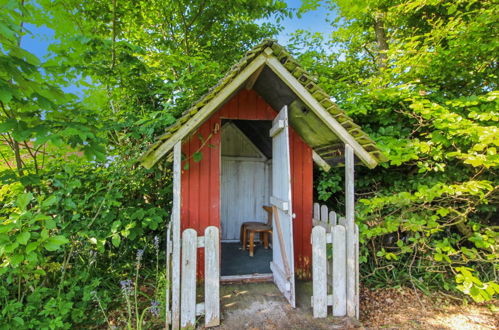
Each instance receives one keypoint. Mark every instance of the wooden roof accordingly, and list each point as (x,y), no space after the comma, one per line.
(274,74)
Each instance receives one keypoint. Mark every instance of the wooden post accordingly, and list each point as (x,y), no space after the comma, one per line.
(357,272)
(319,272)
(177,163)
(350,230)
(212,276)
(167,275)
(339,271)
(188,287)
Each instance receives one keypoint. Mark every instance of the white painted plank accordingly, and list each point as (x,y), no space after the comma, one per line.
(188,287)
(176,244)
(324,214)
(200,310)
(342,221)
(357,274)
(317,211)
(167,274)
(350,229)
(280,204)
(150,159)
(282,216)
(277,127)
(319,272)
(332,218)
(339,271)
(212,276)
(244,190)
(320,161)
(319,110)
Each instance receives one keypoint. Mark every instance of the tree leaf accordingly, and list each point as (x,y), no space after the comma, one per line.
(54,243)
(23,200)
(23,238)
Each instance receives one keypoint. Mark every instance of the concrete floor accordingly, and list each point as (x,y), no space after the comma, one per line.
(262,306)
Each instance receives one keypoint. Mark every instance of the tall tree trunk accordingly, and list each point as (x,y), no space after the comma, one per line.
(379,30)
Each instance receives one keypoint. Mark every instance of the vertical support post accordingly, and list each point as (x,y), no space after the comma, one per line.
(188,287)
(350,230)
(167,275)
(357,271)
(177,160)
(212,276)
(319,272)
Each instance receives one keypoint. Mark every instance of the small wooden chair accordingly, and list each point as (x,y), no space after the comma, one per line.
(264,230)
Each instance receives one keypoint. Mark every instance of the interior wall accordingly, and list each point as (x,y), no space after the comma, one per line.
(244,183)
(245,189)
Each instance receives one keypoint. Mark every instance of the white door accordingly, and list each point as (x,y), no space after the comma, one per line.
(283,268)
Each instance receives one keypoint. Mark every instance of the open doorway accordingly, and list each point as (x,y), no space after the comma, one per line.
(246,185)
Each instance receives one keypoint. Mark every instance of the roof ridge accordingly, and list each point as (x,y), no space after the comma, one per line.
(309,82)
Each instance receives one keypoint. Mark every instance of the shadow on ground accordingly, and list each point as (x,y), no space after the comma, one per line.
(262,306)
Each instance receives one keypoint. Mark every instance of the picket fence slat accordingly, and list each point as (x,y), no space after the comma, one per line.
(324,214)
(188,284)
(317,211)
(332,218)
(212,277)
(319,272)
(339,271)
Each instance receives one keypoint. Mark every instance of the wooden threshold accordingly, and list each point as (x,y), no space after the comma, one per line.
(251,278)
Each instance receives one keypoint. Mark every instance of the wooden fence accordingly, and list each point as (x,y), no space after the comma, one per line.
(329,265)
(186,285)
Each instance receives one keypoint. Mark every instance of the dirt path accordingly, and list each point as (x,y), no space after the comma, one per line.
(261,306)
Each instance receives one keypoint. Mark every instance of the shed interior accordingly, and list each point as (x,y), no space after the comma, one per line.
(246,168)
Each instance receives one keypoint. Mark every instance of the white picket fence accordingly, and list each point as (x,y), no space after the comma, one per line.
(183,279)
(330,275)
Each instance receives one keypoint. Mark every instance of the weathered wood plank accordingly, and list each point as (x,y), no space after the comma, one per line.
(339,271)
(279,203)
(277,128)
(350,229)
(176,244)
(167,274)
(212,276)
(319,272)
(319,110)
(282,253)
(357,271)
(317,211)
(320,161)
(332,218)
(324,214)
(188,287)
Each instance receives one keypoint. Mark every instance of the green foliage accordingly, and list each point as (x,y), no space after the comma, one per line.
(421,78)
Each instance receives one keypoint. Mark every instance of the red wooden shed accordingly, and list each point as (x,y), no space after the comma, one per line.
(252,141)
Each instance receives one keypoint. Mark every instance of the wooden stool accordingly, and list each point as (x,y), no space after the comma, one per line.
(262,230)
(242,237)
